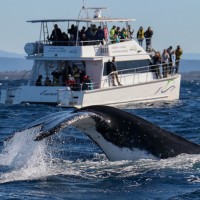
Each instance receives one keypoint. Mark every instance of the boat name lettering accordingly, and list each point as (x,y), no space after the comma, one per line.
(133,48)
(120,51)
(73,51)
(119,47)
(46,93)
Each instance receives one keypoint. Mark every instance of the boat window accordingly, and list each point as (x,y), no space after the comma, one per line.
(132,64)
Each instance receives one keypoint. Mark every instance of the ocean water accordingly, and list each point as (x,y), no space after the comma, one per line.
(69,165)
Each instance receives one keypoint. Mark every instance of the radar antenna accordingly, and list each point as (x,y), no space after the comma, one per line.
(86,10)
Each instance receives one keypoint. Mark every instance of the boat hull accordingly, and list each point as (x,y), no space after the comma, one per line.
(167,89)
(29,94)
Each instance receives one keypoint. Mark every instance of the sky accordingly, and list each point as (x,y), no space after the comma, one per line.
(174,22)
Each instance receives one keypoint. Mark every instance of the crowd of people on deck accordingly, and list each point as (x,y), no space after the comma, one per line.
(95,35)
(163,64)
(89,36)
(76,79)
(72,77)
(169,60)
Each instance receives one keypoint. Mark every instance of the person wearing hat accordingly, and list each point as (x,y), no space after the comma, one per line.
(140,35)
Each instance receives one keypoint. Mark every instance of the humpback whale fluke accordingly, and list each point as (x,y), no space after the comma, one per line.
(119,134)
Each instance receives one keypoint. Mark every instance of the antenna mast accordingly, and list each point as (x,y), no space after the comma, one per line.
(83,9)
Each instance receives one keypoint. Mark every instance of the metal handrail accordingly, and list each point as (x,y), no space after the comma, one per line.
(138,71)
(125,74)
(122,75)
(79,42)
(143,69)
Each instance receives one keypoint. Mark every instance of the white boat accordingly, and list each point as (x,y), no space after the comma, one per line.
(138,82)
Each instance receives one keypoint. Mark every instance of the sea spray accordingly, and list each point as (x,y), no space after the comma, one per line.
(25,158)
(30,160)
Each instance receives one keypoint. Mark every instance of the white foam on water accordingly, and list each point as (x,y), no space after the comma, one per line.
(25,159)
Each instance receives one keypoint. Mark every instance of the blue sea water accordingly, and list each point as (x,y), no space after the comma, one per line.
(70,166)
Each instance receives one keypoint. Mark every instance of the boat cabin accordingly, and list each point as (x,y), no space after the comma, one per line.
(81,48)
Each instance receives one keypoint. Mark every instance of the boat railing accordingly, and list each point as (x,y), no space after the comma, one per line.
(83,43)
(141,74)
(127,77)
(103,44)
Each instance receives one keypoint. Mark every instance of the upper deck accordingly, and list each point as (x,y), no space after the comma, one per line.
(90,49)
(94,52)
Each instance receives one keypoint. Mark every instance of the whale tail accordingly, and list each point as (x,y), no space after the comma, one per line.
(119,134)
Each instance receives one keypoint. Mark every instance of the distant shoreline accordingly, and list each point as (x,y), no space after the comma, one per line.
(15,75)
(24,75)
(190,69)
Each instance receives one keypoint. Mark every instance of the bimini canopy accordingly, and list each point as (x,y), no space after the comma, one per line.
(90,20)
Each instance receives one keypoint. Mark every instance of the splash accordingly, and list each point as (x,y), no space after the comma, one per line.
(23,158)
(30,160)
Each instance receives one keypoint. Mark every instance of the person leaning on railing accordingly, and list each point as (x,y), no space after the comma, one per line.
(111,69)
(129,31)
(173,61)
(83,41)
(89,34)
(178,53)
(76,73)
(73,31)
(47,82)
(65,39)
(56,75)
(72,41)
(156,64)
(165,61)
(112,33)
(87,83)
(81,33)
(70,81)
(39,81)
(170,68)
(99,35)
(123,35)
